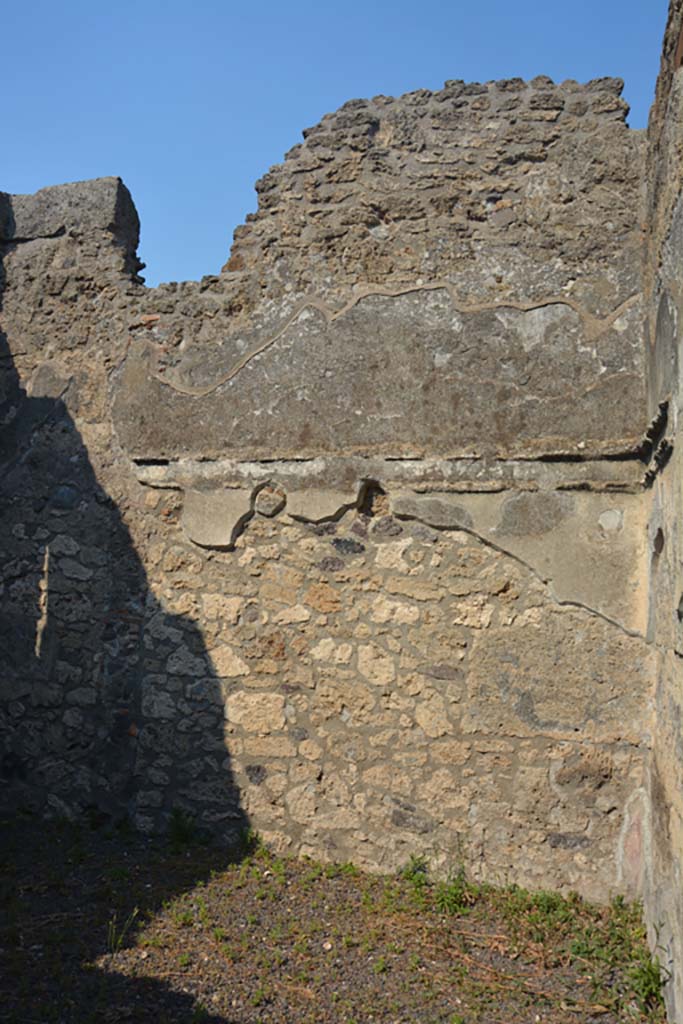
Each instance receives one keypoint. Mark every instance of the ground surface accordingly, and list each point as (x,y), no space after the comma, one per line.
(105,926)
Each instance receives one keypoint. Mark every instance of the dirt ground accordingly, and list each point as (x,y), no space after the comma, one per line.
(103,925)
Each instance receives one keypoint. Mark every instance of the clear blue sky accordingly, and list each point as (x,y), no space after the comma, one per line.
(190,103)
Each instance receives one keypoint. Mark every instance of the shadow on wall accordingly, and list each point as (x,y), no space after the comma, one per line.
(109,707)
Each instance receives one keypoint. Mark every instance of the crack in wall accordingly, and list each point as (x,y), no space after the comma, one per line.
(546,581)
(242,522)
(594,326)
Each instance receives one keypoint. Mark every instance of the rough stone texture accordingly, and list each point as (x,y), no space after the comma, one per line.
(461,244)
(664,305)
(348,541)
(496,188)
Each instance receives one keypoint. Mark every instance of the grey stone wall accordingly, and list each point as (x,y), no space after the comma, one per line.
(348,541)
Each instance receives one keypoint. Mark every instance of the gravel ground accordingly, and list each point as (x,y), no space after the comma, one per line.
(104,926)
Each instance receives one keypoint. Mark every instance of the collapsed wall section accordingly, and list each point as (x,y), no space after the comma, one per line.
(380,490)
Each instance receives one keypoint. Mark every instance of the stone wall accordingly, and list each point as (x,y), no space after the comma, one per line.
(349,541)
(664,887)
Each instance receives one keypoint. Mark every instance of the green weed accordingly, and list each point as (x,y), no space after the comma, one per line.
(453,896)
(416,871)
(647,979)
(116,933)
(380,965)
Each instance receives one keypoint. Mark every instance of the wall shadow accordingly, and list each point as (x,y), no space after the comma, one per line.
(110,711)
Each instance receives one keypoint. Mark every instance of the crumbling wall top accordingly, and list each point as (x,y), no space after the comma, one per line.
(79,207)
(507,186)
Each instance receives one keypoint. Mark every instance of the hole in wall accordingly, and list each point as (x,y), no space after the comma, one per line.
(658,542)
(679,610)
(373,500)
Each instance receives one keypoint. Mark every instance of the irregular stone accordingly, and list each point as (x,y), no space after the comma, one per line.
(261,713)
(269,501)
(392,555)
(269,746)
(63,545)
(158,704)
(385,526)
(474,611)
(227,664)
(335,696)
(184,663)
(226,609)
(376,665)
(384,610)
(256,773)
(348,547)
(310,750)
(432,717)
(416,589)
(301,803)
(323,598)
(75,570)
(294,615)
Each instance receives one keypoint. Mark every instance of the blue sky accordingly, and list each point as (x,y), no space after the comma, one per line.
(191,103)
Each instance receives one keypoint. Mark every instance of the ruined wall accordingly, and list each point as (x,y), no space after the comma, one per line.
(664,888)
(379,489)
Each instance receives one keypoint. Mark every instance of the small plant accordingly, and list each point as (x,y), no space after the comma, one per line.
(184,959)
(279,870)
(249,843)
(199,1014)
(183,918)
(647,979)
(380,965)
(453,896)
(116,933)
(314,873)
(260,996)
(416,871)
(203,911)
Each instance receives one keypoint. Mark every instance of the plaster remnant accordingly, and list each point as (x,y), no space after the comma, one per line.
(442,512)
(594,326)
(213,519)
(318,505)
